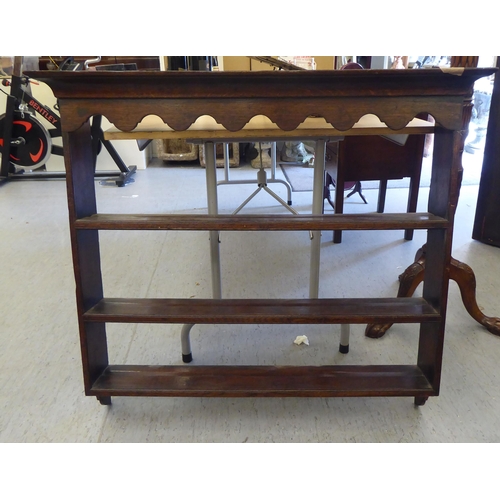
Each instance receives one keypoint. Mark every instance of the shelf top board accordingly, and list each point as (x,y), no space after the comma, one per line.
(287,98)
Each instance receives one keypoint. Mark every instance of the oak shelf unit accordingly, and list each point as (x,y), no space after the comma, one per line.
(287,98)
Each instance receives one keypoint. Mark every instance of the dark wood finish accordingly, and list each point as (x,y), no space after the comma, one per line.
(185,222)
(460,272)
(263,381)
(233,98)
(237,311)
(487,219)
(287,98)
(87,264)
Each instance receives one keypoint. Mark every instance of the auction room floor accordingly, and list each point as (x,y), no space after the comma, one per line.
(41,387)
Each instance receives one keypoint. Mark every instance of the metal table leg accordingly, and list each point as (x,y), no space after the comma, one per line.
(317,206)
(211,176)
(317,209)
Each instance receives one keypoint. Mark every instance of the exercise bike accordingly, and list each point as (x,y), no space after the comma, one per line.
(26,144)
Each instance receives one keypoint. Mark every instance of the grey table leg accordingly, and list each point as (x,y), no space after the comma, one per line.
(345,331)
(317,209)
(211,176)
(317,206)
(187,355)
(273,178)
(225,146)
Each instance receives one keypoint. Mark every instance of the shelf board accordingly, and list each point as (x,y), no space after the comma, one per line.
(263,311)
(197,222)
(262,381)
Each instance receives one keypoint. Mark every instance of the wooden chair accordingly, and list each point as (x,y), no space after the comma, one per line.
(356,158)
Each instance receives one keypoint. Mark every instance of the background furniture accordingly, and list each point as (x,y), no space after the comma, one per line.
(366,158)
(287,98)
(487,220)
(141,62)
(175,150)
(261,180)
(458,271)
(26,143)
(229,153)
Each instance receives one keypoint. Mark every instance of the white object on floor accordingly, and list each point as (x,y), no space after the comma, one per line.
(301,339)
